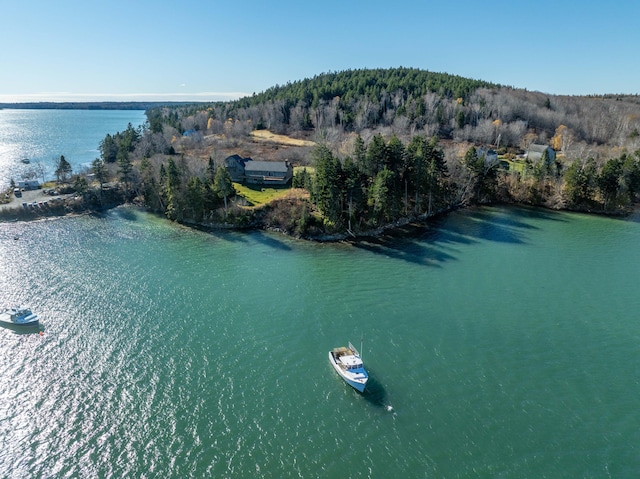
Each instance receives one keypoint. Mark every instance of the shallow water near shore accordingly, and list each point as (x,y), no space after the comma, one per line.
(501,342)
(42,136)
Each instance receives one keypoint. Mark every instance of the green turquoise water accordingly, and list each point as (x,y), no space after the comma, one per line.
(501,342)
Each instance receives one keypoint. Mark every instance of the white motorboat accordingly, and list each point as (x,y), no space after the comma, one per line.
(348,364)
(18,316)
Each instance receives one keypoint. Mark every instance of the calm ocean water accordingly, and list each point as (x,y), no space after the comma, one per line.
(42,136)
(501,342)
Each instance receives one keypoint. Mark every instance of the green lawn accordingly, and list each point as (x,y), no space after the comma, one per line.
(515,165)
(259,195)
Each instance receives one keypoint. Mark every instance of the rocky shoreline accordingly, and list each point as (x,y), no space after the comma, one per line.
(44,203)
(40,204)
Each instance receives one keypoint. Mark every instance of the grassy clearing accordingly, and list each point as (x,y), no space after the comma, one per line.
(267,136)
(515,165)
(258,195)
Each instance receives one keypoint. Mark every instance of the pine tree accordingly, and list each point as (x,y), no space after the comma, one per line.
(435,174)
(327,193)
(376,155)
(224,186)
(63,170)
(379,197)
(125,168)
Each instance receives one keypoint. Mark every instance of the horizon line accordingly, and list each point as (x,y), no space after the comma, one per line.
(65,97)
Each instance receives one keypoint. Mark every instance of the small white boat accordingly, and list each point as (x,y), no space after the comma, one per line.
(18,317)
(348,364)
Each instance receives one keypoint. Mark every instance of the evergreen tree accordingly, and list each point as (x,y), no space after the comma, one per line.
(100,174)
(152,194)
(608,182)
(125,168)
(435,174)
(360,153)
(483,176)
(395,152)
(195,197)
(210,194)
(108,149)
(631,174)
(354,183)
(129,138)
(224,186)
(580,182)
(394,162)
(99,171)
(80,185)
(376,156)
(416,171)
(63,169)
(327,192)
(379,197)
(211,170)
(173,175)
(302,179)
(173,209)
(154,116)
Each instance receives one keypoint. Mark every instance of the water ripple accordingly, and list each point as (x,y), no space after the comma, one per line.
(165,352)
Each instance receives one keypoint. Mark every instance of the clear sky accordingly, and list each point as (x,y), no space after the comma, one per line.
(68,50)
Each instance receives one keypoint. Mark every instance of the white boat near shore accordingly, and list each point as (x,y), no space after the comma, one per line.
(348,364)
(18,317)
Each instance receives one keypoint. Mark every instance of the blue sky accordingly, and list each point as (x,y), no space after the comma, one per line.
(210,50)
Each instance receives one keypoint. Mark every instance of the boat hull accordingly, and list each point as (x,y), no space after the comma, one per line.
(31,322)
(359,384)
(18,317)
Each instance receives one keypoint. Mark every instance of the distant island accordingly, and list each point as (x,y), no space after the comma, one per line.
(371,149)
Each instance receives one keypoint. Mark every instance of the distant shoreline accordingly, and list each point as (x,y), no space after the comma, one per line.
(94,105)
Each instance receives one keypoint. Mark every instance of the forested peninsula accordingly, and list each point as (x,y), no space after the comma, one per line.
(374,148)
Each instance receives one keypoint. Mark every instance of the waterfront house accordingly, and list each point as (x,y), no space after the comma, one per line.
(247,170)
(235,166)
(268,172)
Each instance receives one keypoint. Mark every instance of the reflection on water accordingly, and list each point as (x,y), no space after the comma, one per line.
(42,136)
(175,353)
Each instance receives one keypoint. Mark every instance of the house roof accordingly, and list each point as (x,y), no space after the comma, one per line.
(537,148)
(536,152)
(276,166)
(236,158)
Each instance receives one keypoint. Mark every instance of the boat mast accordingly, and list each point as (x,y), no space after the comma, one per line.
(361,344)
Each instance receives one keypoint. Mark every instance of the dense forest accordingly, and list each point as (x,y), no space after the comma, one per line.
(392,144)
(407,102)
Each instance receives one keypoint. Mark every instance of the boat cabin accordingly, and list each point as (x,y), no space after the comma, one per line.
(350,362)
